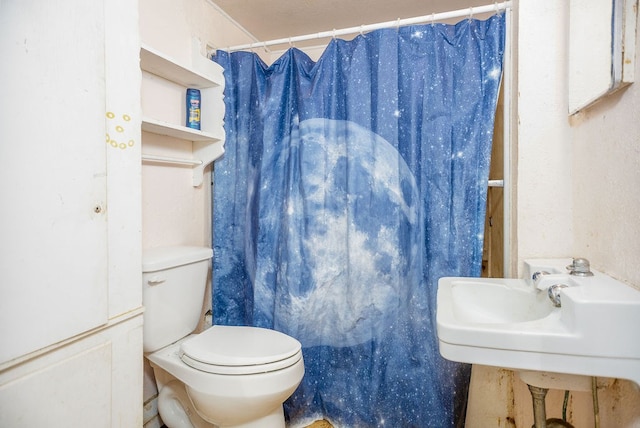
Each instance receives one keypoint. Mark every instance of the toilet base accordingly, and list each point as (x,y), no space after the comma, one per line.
(274,419)
(224,401)
(177,411)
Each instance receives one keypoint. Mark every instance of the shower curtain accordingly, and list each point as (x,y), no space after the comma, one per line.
(348,187)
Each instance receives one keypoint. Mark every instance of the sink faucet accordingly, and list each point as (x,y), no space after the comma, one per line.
(553,284)
(554,294)
(553,291)
(580,267)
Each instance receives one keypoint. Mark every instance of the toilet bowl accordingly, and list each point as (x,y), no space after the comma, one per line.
(234,376)
(224,377)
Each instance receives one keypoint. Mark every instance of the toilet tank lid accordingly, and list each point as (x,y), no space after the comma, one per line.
(160,258)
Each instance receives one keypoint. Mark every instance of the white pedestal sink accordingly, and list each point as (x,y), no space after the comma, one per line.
(511,323)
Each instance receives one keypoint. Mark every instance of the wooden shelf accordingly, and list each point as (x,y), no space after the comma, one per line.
(161,65)
(204,74)
(177,131)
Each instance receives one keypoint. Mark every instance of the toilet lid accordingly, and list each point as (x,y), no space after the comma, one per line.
(240,350)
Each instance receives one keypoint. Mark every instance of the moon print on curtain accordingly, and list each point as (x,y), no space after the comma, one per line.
(348,187)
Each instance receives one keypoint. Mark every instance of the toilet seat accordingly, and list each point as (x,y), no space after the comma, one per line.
(234,350)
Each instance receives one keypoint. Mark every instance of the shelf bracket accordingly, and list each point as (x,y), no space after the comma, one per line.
(210,152)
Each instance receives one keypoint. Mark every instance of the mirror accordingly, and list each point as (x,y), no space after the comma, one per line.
(602,36)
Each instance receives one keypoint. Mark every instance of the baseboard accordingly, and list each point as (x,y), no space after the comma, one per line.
(150,414)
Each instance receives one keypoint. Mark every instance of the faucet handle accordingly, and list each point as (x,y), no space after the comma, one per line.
(538,275)
(580,267)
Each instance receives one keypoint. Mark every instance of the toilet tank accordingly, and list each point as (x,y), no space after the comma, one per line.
(174,280)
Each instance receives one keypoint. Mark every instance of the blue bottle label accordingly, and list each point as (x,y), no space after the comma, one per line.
(193,108)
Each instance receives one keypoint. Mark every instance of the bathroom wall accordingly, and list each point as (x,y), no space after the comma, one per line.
(544,206)
(577,194)
(605,142)
(576,175)
(606,174)
(173,211)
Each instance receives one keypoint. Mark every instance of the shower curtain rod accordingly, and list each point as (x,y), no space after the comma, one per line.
(470,12)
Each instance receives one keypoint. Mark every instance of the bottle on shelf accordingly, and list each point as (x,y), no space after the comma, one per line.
(193,108)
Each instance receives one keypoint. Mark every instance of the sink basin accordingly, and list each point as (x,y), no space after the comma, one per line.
(512,323)
(497,301)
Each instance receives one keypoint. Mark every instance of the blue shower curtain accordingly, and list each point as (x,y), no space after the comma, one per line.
(348,187)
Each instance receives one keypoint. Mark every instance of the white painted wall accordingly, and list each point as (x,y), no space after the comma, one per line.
(173,211)
(577,195)
(605,141)
(543,142)
(606,181)
(576,176)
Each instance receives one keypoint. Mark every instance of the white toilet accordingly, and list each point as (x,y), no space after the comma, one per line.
(223,377)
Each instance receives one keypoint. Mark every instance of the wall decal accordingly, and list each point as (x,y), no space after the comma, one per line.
(117,130)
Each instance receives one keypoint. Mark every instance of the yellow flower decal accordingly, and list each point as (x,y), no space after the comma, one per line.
(118,127)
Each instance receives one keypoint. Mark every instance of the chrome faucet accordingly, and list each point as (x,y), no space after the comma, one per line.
(553,291)
(580,267)
(554,294)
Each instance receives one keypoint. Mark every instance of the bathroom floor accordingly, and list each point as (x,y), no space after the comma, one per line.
(320,424)
(316,424)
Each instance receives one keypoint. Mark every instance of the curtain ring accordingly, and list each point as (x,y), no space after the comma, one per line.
(334,33)
(470,13)
(290,44)
(361,30)
(433,19)
(398,24)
